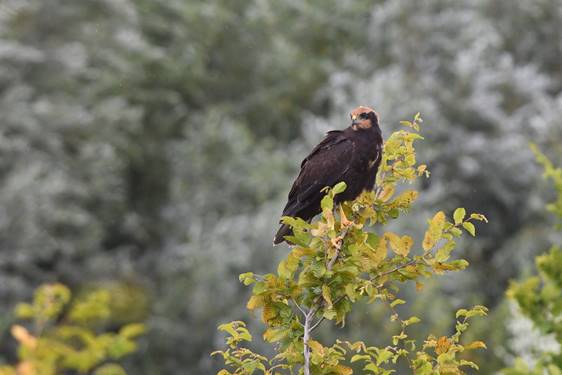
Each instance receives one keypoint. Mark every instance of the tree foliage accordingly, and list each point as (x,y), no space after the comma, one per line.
(63,334)
(540,297)
(338,261)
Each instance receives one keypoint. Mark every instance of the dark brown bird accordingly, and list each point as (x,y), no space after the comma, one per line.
(352,155)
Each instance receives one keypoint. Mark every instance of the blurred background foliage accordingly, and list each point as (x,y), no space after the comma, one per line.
(147,147)
(539,299)
(66,336)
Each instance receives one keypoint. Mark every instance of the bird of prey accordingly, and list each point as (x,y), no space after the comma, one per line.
(352,155)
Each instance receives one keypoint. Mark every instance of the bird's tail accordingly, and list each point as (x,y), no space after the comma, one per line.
(283,231)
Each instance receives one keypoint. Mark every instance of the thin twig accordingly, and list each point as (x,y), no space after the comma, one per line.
(322,318)
(333,260)
(298,307)
(411,262)
(317,324)
(397,268)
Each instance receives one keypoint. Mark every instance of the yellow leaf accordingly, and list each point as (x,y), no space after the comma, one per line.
(378,254)
(475,345)
(320,230)
(423,169)
(345,222)
(435,231)
(272,335)
(268,313)
(299,252)
(386,193)
(400,245)
(327,204)
(316,347)
(405,199)
(394,240)
(343,370)
(443,345)
(254,302)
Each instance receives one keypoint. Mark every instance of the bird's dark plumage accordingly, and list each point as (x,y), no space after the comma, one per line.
(352,155)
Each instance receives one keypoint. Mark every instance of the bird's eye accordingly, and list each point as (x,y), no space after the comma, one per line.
(364,116)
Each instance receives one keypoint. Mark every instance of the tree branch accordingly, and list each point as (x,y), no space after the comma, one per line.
(298,307)
(397,268)
(306,337)
(317,304)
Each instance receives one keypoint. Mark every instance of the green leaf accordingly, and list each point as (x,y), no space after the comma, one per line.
(329,314)
(24,311)
(283,271)
(247,278)
(456,232)
(469,228)
(477,310)
(412,320)
(350,292)
(132,330)
(360,357)
(464,362)
(479,217)
(327,203)
(459,215)
(445,251)
(339,188)
(110,369)
(459,264)
(326,295)
(461,312)
(383,356)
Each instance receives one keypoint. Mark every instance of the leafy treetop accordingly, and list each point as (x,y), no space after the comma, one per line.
(345,257)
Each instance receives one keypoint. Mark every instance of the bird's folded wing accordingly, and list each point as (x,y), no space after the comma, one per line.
(326,165)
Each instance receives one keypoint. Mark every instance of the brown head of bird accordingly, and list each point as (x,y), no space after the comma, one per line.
(363,118)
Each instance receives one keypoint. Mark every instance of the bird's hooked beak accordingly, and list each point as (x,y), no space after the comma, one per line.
(354,120)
